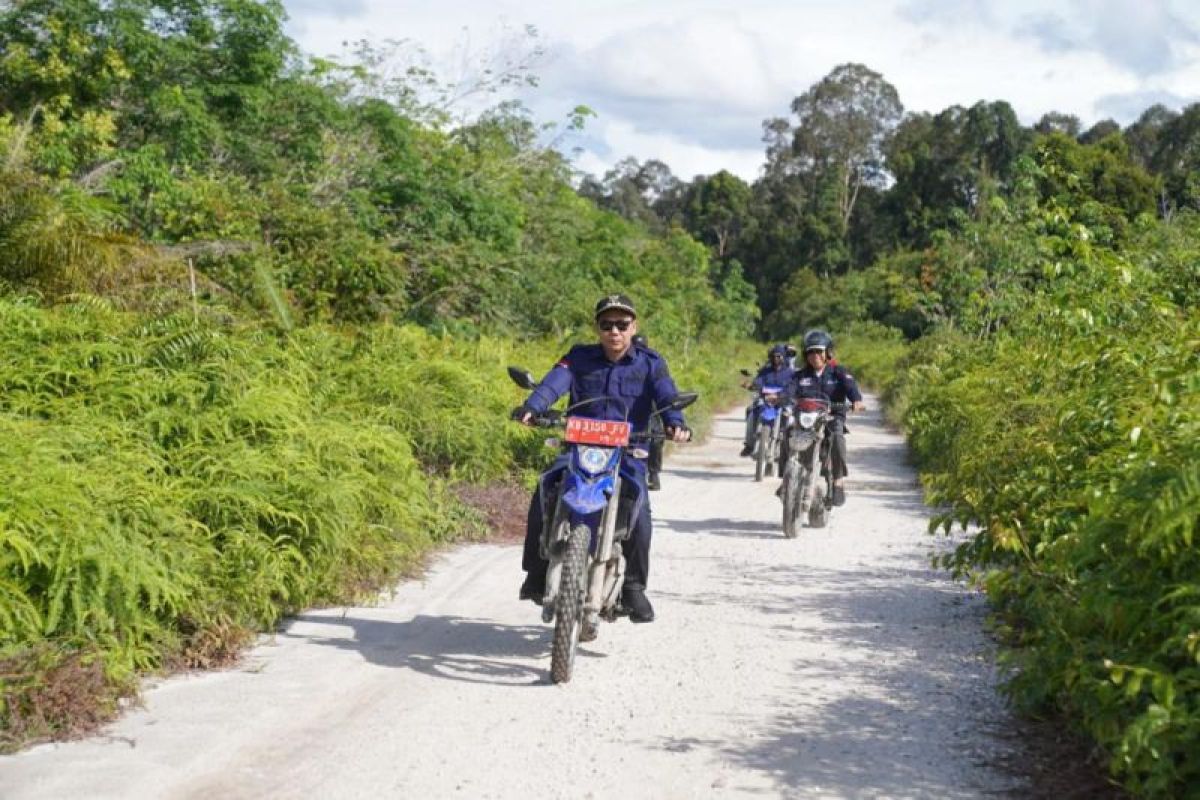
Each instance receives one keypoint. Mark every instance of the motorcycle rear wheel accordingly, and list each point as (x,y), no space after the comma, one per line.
(818,515)
(568,606)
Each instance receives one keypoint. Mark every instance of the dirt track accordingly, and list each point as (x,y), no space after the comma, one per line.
(834,665)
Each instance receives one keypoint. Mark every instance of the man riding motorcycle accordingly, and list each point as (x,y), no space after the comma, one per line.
(626,381)
(820,378)
(776,372)
(790,350)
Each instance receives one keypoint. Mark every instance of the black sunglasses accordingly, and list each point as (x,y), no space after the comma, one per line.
(620,324)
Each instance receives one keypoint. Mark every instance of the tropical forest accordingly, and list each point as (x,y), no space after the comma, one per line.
(256,308)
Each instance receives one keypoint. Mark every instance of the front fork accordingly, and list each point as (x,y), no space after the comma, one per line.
(816,472)
(603,584)
(605,574)
(559,532)
(811,451)
(827,468)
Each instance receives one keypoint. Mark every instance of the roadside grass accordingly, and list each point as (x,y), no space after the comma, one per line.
(876,354)
(173,486)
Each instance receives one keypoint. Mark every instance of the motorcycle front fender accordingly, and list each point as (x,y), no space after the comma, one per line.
(585,496)
(802,440)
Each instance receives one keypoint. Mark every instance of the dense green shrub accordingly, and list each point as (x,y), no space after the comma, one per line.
(171,484)
(1070,438)
(873,351)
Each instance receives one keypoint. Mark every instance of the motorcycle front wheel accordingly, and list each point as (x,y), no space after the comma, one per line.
(760,458)
(568,606)
(793,489)
(818,513)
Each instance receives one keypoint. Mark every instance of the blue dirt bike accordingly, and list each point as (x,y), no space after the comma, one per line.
(589,505)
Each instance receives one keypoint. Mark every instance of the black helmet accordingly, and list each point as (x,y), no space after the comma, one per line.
(790,349)
(818,340)
(639,340)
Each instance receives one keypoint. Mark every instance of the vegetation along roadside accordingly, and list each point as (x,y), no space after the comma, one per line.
(256,307)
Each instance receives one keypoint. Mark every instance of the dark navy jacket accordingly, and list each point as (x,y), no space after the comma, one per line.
(639,379)
(769,376)
(834,382)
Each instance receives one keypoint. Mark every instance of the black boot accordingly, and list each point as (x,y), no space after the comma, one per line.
(633,597)
(747,450)
(839,496)
(652,483)
(534,588)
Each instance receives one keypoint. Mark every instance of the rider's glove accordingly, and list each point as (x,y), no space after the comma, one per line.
(673,429)
(519,412)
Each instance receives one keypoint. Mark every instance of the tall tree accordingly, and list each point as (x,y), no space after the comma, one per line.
(1058,122)
(1177,159)
(715,209)
(945,164)
(1144,134)
(841,125)
(1101,130)
(632,189)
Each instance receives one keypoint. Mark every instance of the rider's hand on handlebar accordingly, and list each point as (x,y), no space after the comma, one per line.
(522,415)
(680,434)
(859,406)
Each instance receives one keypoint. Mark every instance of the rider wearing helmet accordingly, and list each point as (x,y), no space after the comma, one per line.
(776,372)
(818,377)
(655,459)
(789,350)
(628,380)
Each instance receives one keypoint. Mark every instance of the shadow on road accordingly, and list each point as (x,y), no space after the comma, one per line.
(906,683)
(475,651)
(701,474)
(720,526)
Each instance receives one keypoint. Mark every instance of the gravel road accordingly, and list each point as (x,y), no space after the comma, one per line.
(837,664)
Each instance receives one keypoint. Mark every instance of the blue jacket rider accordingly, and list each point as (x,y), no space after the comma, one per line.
(819,378)
(776,372)
(626,377)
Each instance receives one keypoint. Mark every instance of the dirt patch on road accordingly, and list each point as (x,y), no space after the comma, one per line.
(504,507)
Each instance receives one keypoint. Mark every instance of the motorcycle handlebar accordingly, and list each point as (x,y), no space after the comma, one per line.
(555,419)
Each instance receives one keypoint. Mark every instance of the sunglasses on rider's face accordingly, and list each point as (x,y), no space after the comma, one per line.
(620,324)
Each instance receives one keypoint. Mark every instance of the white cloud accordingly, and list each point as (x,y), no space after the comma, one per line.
(699,59)
(689,83)
(686,159)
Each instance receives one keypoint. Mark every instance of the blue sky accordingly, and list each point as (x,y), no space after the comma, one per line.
(690,83)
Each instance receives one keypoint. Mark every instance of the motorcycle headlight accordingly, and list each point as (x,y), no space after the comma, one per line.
(594,459)
(808,418)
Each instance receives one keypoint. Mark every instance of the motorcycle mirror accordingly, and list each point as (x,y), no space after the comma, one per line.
(745,372)
(522,377)
(683,400)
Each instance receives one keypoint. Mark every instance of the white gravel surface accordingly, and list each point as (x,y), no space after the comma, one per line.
(837,664)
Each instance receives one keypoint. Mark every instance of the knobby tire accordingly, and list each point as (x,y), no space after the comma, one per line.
(760,460)
(568,606)
(789,500)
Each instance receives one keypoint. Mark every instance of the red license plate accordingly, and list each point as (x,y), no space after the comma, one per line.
(606,433)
